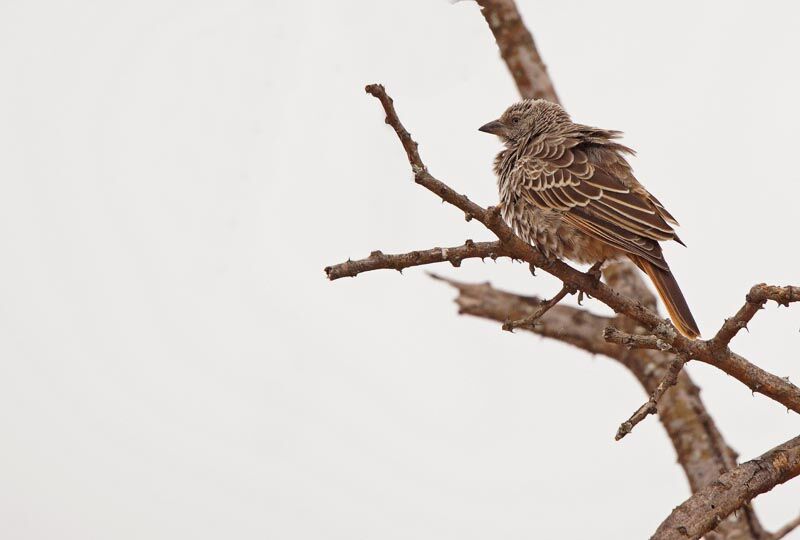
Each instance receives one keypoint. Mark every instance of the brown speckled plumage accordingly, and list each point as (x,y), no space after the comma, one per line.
(568,189)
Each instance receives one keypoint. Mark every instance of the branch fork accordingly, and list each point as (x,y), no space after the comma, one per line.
(628,344)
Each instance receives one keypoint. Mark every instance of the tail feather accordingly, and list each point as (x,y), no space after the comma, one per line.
(672,296)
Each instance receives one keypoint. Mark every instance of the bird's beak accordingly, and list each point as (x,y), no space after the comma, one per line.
(495,127)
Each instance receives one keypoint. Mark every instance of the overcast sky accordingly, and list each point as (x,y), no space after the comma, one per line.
(174,176)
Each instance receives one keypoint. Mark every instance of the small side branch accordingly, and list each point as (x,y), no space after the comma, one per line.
(651,406)
(409,144)
(454,255)
(782,295)
(757,379)
(754,302)
(531,319)
(635,341)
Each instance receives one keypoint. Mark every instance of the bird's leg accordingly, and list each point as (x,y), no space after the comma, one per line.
(595,273)
(550,262)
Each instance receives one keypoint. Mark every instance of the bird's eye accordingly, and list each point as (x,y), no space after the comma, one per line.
(515,120)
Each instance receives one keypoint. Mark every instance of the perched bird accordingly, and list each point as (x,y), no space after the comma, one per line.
(567,189)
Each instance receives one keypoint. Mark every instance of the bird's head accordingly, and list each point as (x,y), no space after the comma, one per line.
(527,118)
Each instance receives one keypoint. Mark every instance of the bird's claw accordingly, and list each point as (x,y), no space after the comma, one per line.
(595,272)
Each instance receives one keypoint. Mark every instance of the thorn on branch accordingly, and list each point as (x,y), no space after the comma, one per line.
(511,245)
(378,260)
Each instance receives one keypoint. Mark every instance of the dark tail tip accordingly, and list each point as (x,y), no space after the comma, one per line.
(673,298)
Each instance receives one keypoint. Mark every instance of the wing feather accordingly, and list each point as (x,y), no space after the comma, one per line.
(596,195)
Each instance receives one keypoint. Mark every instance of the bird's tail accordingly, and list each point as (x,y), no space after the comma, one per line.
(672,296)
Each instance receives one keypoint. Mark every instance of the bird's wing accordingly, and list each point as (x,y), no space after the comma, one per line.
(576,181)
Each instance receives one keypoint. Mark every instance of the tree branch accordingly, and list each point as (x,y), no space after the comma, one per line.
(754,301)
(454,255)
(518,49)
(709,506)
(634,341)
(543,308)
(757,379)
(650,406)
(570,325)
(701,449)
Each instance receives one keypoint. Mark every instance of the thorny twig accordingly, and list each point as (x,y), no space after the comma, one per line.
(635,341)
(704,451)
(541,310)
(757,379)
(650,406)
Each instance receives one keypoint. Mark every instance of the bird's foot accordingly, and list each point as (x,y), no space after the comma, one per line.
(595,272)
(549,262)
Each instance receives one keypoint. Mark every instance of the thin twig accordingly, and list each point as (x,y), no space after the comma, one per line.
(754,301)
(651,406)
(454,255)
(544,308)
(575,326)
(757,379)
(635,341)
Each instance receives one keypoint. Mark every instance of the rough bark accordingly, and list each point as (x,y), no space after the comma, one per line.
(702,452)
(710,505)
(518,49)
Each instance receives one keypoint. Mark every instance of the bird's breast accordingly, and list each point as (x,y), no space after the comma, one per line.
(550,232)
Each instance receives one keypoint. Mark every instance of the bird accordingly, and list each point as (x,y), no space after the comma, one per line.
(568,190)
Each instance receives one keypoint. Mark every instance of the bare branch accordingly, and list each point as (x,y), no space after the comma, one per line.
(409,144)
(545,306)
(570,325)
(650,407)
(757,379)
(754,301)
(518,49)
(782,295)
(634,341)
(701,450)
(379,261)
(709,506)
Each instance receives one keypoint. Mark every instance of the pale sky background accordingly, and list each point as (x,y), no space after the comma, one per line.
(174,176)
